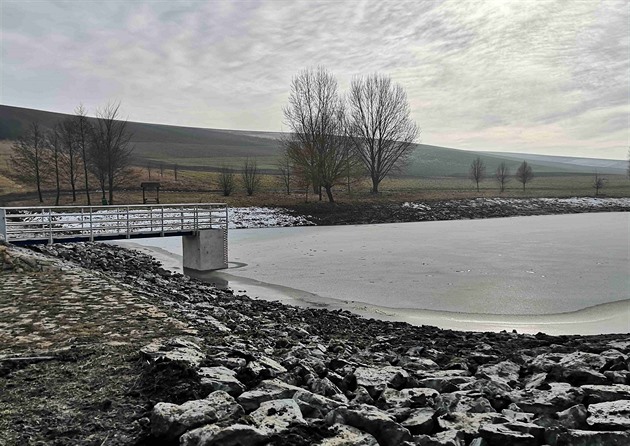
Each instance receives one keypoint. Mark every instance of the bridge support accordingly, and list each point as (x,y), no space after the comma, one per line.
(206,250)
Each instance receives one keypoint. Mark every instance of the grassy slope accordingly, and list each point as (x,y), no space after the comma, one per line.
(432,171)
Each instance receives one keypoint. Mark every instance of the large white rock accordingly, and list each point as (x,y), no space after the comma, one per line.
(275,417)
(185,351)
(501,435)
(168,421)
(220,378)
(375,379)
(313,405)
(506,372)
(560,396)
(271,389)
(349,436)
(372,420)
(601,394)
(613,415)
(595,438)
(213,435)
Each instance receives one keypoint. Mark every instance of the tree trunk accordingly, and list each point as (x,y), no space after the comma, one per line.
(329,194)
(375,183)
(74,190)
(57,179)
(87,183)
(39,190)
(477,186)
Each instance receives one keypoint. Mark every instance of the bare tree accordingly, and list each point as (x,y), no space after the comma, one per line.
(380,126)
(226,180)
(477,171)
(598,183)
(111,147)
(502,175)
(27,161)
(317,144)
(284,169)
(67,134)
(524,174)
(250,177)
(83,131)
(54,145)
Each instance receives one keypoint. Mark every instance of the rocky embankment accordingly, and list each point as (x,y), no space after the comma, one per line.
(364,213)
(264,373)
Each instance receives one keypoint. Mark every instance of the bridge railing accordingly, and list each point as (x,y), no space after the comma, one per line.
(58,223)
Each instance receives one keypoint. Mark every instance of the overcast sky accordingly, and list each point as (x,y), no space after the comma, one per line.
(538,76)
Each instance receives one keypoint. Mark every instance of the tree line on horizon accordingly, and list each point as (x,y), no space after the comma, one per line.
(524,174)
(477,173)
(76,151)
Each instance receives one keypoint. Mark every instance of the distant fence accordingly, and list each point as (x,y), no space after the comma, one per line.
(26,225)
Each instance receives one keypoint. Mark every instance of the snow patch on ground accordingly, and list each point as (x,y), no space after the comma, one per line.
(261,217)
(529,203)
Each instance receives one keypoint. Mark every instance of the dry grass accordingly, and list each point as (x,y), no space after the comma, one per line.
(202,186)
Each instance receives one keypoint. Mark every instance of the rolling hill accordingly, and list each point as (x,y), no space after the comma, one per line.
(208,149)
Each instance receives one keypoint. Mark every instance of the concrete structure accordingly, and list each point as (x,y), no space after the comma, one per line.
(205,250)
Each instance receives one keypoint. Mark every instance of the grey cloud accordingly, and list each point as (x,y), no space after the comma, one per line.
(473,70)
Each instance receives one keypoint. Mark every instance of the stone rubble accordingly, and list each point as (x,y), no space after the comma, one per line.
(280,375)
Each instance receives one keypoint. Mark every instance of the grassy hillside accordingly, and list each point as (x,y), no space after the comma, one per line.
(203,149)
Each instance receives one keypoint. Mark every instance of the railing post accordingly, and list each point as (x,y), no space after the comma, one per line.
(50,237)
(162,233)
(225,236)
(4,233)
(91,226)
(128,229)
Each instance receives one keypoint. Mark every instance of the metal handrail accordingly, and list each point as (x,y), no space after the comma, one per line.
(55,223)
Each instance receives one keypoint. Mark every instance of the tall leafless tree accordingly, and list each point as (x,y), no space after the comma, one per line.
(226,180)
(111,147)
(83,131)
(317,144)
(249,176)
(284,170)
(524,174)
(380,127)
(54,143)
(477,171)
(67,133)
(502,175)
(27,161)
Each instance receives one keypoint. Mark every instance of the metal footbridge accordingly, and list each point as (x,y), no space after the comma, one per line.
(59,224)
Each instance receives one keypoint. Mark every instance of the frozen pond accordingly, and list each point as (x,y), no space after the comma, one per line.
(558,274)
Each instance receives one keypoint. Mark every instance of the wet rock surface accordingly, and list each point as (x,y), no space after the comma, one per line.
(284,375)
